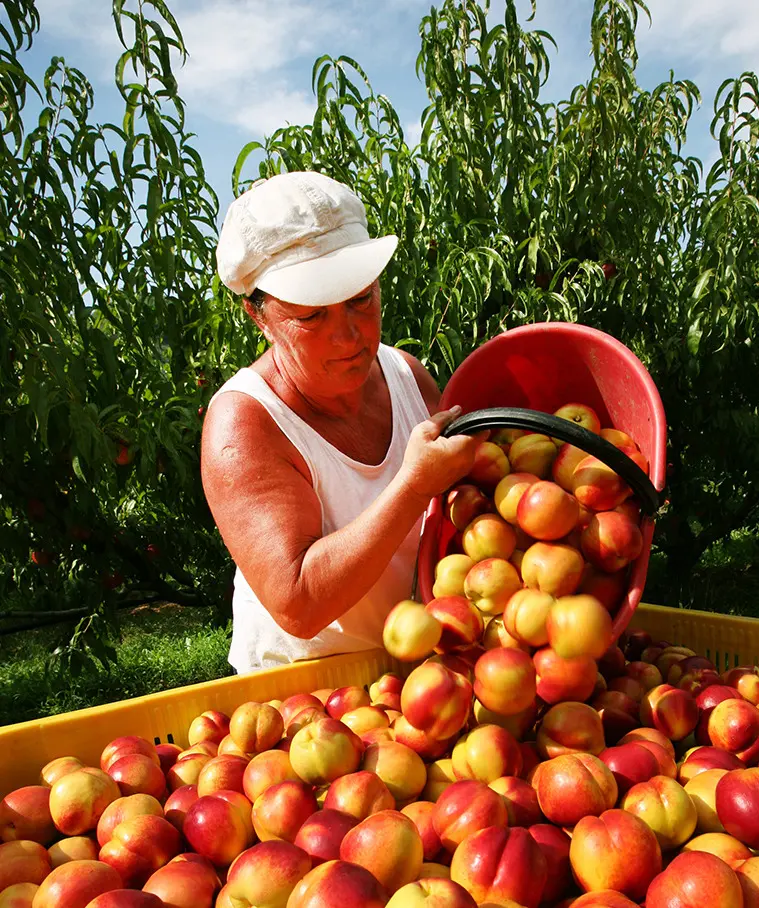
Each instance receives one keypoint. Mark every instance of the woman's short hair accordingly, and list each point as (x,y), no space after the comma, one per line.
(254,304)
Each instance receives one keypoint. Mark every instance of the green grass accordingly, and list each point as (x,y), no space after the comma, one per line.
(160,648)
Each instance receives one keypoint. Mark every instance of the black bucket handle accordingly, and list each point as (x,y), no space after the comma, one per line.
(566,430)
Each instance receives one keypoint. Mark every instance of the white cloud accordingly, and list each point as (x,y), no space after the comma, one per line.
(96,29)
(231,41)
(278,108)
(704,31)
(239,54)
(412,132)
(65,17)
(250,60)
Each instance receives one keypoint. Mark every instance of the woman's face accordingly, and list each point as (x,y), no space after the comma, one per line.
(326,350)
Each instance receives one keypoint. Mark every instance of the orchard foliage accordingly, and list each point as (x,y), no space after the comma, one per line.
(509,210)
(113,338)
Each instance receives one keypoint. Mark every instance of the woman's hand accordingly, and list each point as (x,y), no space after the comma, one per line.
(432,463)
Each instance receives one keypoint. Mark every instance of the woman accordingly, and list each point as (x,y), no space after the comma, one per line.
(319,459)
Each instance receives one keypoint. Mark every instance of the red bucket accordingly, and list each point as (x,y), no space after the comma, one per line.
(542,367)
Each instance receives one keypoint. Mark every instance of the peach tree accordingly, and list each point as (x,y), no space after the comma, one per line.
(512,210)
(112,340)
(509,209)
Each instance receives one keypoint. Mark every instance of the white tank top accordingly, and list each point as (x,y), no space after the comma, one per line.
(345,488)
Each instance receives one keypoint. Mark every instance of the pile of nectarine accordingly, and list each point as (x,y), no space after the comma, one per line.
(461,785)
(538,513)
(526,761)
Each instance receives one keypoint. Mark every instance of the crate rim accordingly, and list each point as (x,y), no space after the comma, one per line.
(219,684)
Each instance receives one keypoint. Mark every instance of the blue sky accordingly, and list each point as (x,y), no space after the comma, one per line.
(250,62)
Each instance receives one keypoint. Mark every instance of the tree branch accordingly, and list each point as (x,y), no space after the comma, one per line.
(45,619)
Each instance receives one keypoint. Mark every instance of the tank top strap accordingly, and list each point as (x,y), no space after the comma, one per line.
(402,385)
(248,382)
(410,408)
(345,488)
(310,445)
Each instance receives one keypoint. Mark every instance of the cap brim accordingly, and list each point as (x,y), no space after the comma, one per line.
(331,278)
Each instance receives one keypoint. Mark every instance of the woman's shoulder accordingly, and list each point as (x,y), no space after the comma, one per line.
(239,439)
(238,421)
(241,393)
(425,382)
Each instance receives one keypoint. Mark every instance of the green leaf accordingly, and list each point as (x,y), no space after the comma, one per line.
(702,284)
(532,254)
(153,200)
(694,337)
(240,160)
(76,464)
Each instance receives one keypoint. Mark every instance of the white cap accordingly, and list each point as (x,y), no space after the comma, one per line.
(301,237)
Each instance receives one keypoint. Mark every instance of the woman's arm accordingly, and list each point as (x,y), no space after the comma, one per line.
(260,494)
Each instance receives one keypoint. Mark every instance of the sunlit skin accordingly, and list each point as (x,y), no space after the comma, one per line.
(322,363)
(322,358)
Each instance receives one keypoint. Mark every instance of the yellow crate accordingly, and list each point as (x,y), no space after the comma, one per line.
(725,639)
(166,716)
